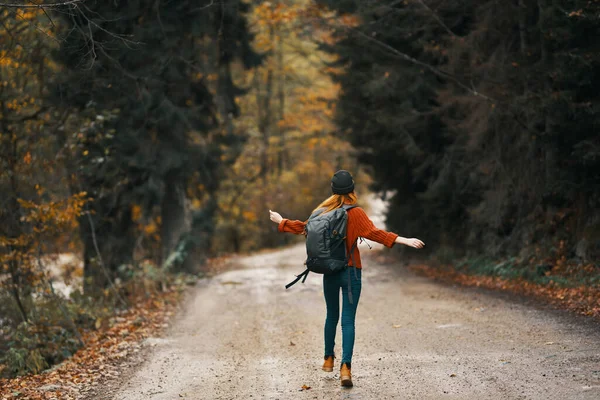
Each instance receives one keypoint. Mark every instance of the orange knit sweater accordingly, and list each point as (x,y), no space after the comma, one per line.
(359,225)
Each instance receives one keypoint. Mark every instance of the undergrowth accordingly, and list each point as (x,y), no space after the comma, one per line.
(561,273)
(56,324)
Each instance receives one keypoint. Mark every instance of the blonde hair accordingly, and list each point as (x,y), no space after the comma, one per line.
(337,201)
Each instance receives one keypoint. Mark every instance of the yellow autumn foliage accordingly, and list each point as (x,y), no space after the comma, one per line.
(297,146)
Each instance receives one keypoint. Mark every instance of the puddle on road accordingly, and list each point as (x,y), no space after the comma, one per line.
(446,326)
(152,341)
(348,395)
(231,283)
(268,277)
(290,256)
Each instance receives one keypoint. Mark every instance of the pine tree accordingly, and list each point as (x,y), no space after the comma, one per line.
(389,107)
(480,115)
(146,73)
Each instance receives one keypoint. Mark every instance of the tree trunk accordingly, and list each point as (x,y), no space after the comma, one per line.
(108,239)
(281,164)
(225,96)
(542,24)
(197,244)
(15,292)
(523,27)
(94,279)
(549,148)
(265,117)
(11,214)
(172,213)
(265,124)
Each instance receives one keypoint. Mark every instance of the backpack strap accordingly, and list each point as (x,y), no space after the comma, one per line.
(354,245)
(302,276)
(350,297)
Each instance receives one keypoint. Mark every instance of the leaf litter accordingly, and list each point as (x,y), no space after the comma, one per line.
(100,360)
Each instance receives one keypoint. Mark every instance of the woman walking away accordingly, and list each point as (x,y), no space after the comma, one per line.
(358,225)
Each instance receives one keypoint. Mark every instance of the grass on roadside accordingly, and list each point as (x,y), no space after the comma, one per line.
(56,326)
(564,283)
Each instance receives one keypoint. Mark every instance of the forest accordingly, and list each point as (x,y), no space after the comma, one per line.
(140,140)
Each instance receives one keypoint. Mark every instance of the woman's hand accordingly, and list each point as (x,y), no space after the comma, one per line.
(275,217)
(411,242)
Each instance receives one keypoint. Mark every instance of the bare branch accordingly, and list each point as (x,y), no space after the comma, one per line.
(429,67)
(101,261)
(38,28)
(122,38)
(436,17)
(48,16)
(42,6)
(92,46)
(507,106)
(26,117)
(212,2)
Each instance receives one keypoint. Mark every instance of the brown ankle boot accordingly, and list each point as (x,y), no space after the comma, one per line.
(345,375)
(328,364)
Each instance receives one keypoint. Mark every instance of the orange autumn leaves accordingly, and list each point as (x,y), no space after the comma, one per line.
(581,299)
(269,13)
(100,359)
(313,110)
(47,220)
(288,115)
(54,215)
(295,30)
(269,16)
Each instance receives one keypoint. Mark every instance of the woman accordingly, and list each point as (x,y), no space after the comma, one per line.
(359,225)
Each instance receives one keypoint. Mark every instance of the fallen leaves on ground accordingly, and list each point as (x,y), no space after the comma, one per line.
(581,299)
(231,283)
(219,265)
(100,358)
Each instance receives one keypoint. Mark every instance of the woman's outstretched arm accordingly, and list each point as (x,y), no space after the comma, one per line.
(367,229)
(412,242)
(287,225)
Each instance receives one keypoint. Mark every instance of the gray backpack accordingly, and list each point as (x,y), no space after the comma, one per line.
(326,243)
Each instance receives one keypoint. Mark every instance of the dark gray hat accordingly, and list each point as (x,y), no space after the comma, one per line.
(342,182)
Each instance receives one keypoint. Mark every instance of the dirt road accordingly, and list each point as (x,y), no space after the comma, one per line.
(244,337)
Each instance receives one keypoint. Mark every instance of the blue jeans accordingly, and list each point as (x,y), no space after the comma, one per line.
(331,289)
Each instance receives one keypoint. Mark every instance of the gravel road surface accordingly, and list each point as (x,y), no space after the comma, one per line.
(243,336)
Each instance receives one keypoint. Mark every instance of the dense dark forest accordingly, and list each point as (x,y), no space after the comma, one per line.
(141,138)
(118,92)
(481,118)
